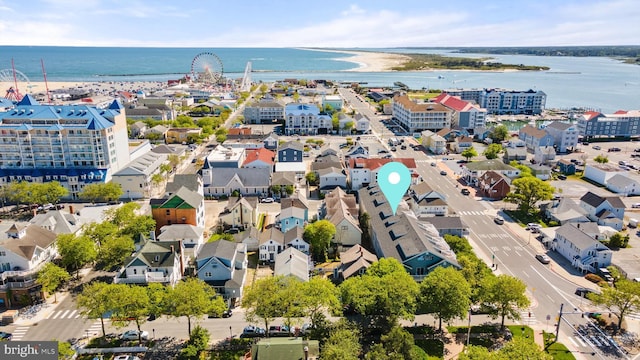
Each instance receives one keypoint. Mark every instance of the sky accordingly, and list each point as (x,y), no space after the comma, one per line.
(328,23)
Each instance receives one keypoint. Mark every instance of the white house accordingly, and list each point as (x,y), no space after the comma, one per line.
(565,135)
(331,178)
(473,170)
(292,262)
(363,125)
(157,261)
(293,238)
(363,172)
(426,201)
(271,243)
(136,178)
(435,143)
(341,209)
(607,211)
(583,252)
(601,173)
(623,184)
(240,212)
(191,237)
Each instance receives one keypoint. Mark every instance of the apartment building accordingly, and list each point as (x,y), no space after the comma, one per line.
(502,101)
(416,117)
(72,144)
(622,123)
(466,115)
(265,111)
(305,119)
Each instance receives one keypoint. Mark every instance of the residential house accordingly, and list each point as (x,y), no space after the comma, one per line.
(435,143)
(472,171)
(157,261)
(136,179)
(223,265)
(248,182)
(331,178)
(224,157)
(59,222)
(290,152)
(250,238)
(271,243)
(363,124)
(325,162)
(271,141)
(357,151)
(354,261)
(415,244)
(346,124)
(183,207)
(542,172)
(466,115)
(240,212)
(191,237)
(416,117)
(583,251)
(292,262)
(450,134)
(544,155)
(333,101)
(341,210)
(566,167)
(305,119)
(259,158)
(23,253)
(493,185)
(283,179)
(192,182)
(564,210)
(293,212)
(447,225)
(426,201)
(327,150)
(158,131)
(565,135)
(535,138)
(182,135)
(138,129)
(624,184)
(294,238)
(608,211)
(364,172)
(518,153)
(462,143)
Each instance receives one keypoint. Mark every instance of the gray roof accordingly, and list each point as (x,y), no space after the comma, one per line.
(595,200)
(573,233)
(248,176)
(221,249)
(190,181)
(271,233)
(180,232)
(34,237)
(401,236)
(190,197)
(295,232)
(620,181)
(59,222)
(156,249)
(560,125)
(283,178)
(296,145)
(144,165)
(445,222)
(330,170)
(292,262)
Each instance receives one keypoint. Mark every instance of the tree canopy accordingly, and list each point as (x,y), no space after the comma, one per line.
(76,251)
(469,152)
(101,192)
(492,151)
(499,133)
(445,293)
(507,296)
(527,191)
(319,235)
(51,277)
(620,300)
(193,299)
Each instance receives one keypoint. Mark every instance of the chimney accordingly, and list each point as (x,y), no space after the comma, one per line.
(70,209)
(152,235)
(173,249)
(306,352)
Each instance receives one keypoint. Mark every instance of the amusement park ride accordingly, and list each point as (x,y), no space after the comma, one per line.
(15,77)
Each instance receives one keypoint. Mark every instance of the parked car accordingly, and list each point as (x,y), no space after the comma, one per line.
(126,357)
(596,147)
(635,206)
(268,200)
(5,336)
(225,314)
(583,292)
(252,332)
(443,173)
(534,227)
(403,147)
(133,335)
(465,191)
(306,328)
(562,177)
(543,258)
(279,331)
(433,164)
(498,220)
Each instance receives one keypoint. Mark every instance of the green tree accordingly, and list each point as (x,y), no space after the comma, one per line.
(525,171)
(96,299)
(114,250)
(51,277)
(619,240)
(174,161)
(399,344)
(221,138)
(620,300)
(101,192)
(289,189)
(65,351)
(469,152)
(98,232)
(193,298)
(384,294)
(342,344)
(276,189)
(527,191)
(445,293)
(317,295)
(492,151)
(52,192)
(158,297)
(520,348)
(319,235)
(198,342)
(601,159)
(499,133)
(131,304)
(126,218)
(262,300)
(75,251)
(311,178)
(507,295)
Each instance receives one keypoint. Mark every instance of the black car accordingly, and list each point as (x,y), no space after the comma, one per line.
(5,336)
(225,314)
(465,191)
(562,177)
(253,332)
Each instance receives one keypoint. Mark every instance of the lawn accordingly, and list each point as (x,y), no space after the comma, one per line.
(555,349)
(517,331)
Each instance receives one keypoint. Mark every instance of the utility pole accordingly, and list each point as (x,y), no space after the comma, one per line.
(559,320)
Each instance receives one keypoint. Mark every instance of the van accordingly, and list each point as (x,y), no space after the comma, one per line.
(633,223)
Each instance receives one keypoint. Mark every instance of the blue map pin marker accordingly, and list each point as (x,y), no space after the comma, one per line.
(394,179)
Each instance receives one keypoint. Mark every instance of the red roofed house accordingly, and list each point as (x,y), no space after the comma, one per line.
(416,117)
(466,115)
(493,185)
(364,172)
(239,131)
(259,158)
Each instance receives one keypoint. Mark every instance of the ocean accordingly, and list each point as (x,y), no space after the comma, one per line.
(598,83)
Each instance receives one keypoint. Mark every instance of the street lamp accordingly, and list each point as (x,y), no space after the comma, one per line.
(230,334)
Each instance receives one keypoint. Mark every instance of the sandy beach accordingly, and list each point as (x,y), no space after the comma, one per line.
(369,61)
(104,87)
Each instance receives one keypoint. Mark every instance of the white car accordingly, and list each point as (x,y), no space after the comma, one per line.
(268,200)
(126,357)
(133,335)
(635,206)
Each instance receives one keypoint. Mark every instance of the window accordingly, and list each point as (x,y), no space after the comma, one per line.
(3,253)
(168,212)
(208,274)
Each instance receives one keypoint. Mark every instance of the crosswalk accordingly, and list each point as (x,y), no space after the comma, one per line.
(494,236)
(19,333)
(528,317)
(64,314)
(95,329)
(471,213)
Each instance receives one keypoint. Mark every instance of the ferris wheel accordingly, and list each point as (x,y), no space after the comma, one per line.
(206,68)
(12,79)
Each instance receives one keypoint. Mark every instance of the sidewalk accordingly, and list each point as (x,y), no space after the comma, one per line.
(45,312)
